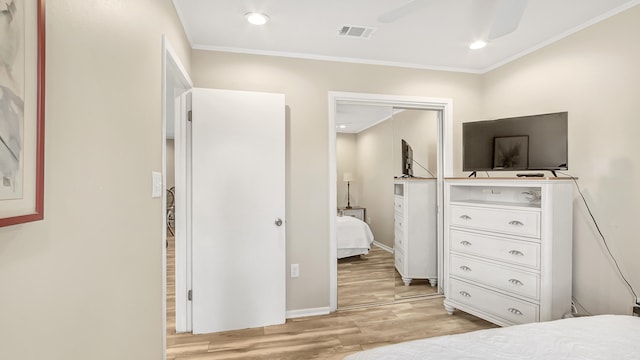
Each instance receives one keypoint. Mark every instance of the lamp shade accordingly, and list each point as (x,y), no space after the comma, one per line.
(348,177)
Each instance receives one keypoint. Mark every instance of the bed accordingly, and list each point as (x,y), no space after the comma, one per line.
(610,337)
(354,237)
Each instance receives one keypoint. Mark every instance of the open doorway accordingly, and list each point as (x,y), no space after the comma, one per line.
(176,84)
(441,108)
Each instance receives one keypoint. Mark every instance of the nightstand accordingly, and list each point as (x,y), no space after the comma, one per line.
(356,212)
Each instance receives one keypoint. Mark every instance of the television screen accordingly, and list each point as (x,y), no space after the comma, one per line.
(537,142)
(407,159)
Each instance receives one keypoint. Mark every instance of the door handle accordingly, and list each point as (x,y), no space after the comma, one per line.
(278,222)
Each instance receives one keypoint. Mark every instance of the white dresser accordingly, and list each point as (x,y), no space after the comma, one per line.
(415,229)
(508,245)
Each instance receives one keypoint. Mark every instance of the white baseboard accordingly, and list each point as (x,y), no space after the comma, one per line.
(383,246)
(292,314)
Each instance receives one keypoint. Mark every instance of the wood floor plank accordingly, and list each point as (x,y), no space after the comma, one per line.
(373,279)
(327,337)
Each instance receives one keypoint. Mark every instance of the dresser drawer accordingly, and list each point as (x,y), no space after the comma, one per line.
(504,278)
(511,309)
(510,251)
(399,239)
(399,223)
(399,260)
(398,205)
(508,221)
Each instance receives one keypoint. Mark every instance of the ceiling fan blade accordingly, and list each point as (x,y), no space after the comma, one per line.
(401,11)
(507,17)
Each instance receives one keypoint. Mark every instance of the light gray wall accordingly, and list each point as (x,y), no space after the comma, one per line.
(379,160)
(86,282)
(589,74)
(306,84)
(375,166)
(420,129)
(593,75)
(346,161)
(171,163)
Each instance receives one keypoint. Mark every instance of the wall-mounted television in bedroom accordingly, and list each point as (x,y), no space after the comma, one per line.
(536,142)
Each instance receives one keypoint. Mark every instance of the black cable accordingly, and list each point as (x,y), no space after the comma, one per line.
(430,173)
(604,240)
(577,304)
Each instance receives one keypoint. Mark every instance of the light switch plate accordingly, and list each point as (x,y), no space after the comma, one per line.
(156,184)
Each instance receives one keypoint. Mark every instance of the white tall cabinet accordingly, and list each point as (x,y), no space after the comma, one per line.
(415,229)
(508,245)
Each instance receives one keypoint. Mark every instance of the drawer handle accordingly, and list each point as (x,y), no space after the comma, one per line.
(516,253)
(516,282)
(516,223)
(465,294)
(465,217)
(465,243)
(465,268)
(515,311)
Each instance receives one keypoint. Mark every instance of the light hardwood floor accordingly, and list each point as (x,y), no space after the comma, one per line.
(373,279)
(320,337)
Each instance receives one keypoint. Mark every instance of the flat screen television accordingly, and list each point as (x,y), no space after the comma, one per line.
(407,159)
(536,142)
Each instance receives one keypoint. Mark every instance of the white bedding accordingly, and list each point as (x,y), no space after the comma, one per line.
(354,237)
(603,337)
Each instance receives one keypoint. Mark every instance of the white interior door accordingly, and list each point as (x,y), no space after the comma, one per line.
(238,199)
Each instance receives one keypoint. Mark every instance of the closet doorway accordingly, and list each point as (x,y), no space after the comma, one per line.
(369,156)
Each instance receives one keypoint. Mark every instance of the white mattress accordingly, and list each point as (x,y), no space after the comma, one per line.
(603,337)
(354,236)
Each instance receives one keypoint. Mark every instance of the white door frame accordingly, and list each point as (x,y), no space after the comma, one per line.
(444,161)
(175,82)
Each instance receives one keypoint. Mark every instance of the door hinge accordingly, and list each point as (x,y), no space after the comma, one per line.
(189,295)
(189,115)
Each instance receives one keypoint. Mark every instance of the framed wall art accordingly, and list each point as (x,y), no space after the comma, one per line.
(511,152)
(22,86)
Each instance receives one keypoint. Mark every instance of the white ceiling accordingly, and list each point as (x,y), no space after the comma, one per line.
(354,118)
(434,35)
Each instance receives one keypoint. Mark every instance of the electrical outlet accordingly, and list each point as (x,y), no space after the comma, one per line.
(295,270)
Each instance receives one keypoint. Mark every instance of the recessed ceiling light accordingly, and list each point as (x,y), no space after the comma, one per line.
(256,18)
(342,126)
(478,45)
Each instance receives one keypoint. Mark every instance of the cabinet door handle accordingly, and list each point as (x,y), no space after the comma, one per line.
(465,243)
(515,311)
(465,294)
(516,253)
(465,268)
(465,217)
(516,223)
(516,282)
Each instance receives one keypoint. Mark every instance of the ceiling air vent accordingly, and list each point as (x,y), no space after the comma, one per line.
(356,31)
